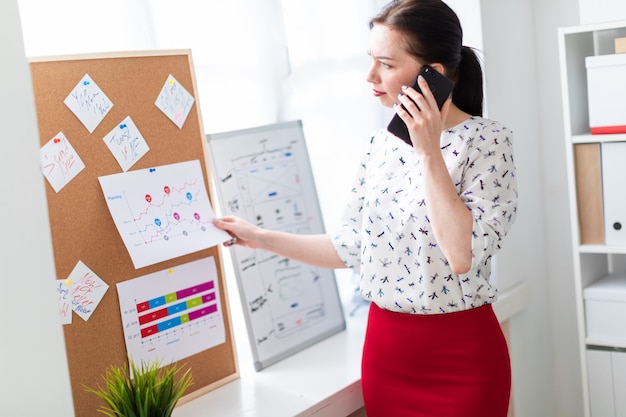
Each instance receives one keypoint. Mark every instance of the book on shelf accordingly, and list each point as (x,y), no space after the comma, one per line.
(588,173)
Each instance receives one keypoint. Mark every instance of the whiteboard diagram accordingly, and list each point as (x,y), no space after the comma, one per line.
(162,212)
(264,176)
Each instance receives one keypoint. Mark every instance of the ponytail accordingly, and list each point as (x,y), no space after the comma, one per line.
(468,89)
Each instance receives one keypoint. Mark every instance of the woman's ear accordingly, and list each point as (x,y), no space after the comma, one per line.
(438,67)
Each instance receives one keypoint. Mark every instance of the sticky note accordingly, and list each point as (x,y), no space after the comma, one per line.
(126,143)
(59,161)
(86,290)
(174,101)
(63,297)
(88,102)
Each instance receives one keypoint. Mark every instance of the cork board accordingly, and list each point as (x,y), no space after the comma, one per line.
(81,224)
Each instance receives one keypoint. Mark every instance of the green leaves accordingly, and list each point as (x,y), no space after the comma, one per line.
(152,391)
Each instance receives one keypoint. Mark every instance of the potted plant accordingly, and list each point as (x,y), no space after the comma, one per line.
(147,391)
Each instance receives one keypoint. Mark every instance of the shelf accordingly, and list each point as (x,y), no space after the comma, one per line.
(607,343)
(602,249)
(589,138)
(589,29)
(591,262)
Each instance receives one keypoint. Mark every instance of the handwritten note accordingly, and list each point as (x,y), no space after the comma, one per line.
(65,305)
(126,143)
(86,290)
(88,102)
(59,161)
(175,101)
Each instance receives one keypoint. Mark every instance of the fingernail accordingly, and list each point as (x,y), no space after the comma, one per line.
(404,87)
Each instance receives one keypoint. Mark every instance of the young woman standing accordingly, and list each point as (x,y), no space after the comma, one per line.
(421,226)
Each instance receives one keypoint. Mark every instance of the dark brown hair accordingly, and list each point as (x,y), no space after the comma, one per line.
(433,34)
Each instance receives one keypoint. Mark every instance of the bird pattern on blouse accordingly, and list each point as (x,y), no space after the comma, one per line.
(386,236)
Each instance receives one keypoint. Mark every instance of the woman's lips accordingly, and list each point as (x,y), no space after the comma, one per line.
(378,93)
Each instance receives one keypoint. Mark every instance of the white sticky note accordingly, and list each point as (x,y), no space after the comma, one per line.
(59,161)
(86,290)
(175,101)
(89,103)
(126,143)
(63,296)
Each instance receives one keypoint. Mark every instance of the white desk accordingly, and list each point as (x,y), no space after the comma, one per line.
(323,380)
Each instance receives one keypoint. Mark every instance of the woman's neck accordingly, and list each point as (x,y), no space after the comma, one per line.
(455,116)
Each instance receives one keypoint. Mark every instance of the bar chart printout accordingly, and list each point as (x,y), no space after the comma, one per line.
(172,314)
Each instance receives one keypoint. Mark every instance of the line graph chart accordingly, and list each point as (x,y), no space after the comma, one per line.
(162,212)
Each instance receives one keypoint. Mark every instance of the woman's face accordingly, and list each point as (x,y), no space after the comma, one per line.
(392,67)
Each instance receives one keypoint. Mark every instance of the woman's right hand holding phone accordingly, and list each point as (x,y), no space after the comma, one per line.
(422,117)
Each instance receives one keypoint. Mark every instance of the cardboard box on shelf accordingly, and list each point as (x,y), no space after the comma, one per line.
(605,309)
(606,88)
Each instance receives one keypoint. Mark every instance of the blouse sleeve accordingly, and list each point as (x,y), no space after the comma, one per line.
(347,238)
(490,190)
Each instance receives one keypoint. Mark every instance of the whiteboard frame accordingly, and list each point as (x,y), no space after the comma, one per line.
(239,139)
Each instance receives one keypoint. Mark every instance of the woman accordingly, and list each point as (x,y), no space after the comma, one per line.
(421,227)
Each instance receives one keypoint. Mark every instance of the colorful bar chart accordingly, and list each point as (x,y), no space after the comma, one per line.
(174,313)
(173,297)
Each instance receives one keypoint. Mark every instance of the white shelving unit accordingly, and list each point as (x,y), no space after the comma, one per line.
(591,262)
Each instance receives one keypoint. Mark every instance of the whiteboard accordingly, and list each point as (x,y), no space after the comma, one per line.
(263,175)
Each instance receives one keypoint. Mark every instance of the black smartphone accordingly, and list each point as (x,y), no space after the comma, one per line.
(440,86)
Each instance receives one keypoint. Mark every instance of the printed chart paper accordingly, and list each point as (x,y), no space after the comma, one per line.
(126,143)
(59,161)
(174,101)
(172,314)
(163,212)
(89,103)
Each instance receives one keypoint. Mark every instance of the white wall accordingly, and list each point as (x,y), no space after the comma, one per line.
(524,90)
(512,94)
(559,282)
(34,378)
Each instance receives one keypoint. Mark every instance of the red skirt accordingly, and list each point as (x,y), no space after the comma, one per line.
(443,365)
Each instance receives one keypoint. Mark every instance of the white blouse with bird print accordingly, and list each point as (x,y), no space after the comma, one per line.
(386,235)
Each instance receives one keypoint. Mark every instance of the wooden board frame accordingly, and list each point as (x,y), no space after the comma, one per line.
(82,227)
